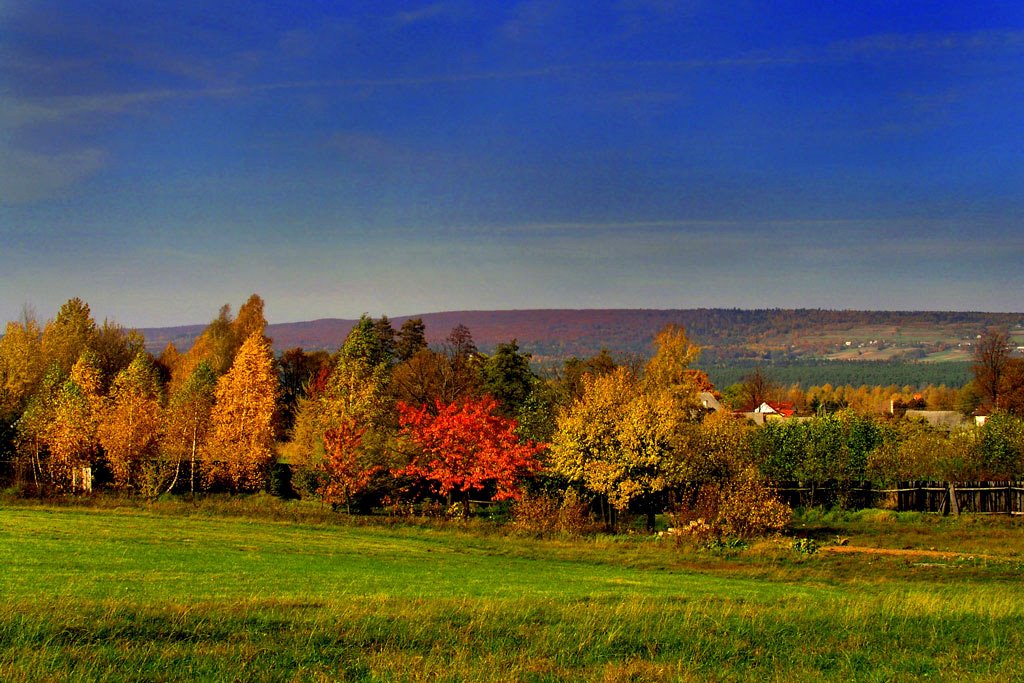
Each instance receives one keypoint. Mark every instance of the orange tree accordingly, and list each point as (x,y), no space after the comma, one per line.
(347,469)
(461,448)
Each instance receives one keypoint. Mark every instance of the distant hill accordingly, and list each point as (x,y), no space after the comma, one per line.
(770,334)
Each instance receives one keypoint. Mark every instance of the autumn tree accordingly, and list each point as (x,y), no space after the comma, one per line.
(991,353)
(460,344)
(1011,387)
(250,320)
(622,439)
(166,362)
(21,364)
(33,427)
(215,345)
(356,393)
(617,441)
(115,349)
(460,449)
(348,468)
(187,422)
(129,428)
(756,388)
(72,435)
(242,431)
(387,338)
(68,335)
(222,339)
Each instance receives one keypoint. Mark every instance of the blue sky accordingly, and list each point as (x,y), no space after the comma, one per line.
(160,159)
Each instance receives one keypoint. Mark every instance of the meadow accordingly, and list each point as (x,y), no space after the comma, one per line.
(260,589)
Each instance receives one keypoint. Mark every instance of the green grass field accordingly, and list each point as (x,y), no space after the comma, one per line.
(171,591)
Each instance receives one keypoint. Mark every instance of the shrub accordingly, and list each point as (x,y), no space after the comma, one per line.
(740,507)
(544,513)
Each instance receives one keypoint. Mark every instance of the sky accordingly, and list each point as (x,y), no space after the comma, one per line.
(158,160)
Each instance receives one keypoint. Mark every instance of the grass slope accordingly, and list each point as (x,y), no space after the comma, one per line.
(177,593)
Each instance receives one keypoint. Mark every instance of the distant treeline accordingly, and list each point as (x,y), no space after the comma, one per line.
(815,372)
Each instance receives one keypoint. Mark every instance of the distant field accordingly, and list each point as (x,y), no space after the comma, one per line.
(808,373)
(180,593)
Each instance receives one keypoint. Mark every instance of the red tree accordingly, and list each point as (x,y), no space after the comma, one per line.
(466,447)
(347,474)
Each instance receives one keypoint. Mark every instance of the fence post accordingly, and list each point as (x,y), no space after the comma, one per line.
(953,505)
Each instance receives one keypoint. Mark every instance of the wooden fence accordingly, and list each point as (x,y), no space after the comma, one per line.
(976,497)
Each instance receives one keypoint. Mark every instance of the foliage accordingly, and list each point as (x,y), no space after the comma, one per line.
(222,339)
(1001,447)
(297,370)
(346,469)
(991,353)
(574,370)
(467,448)
(716,448)
(411,339)
(506,376)
(621,439)
(240,445)
(187,423)
(589,446)
(21,364)
(115,349)
(546,513)
(129,428)
(71,434)
(68,335)
(831,446)
(355,393)
(739,507)
(1011,387)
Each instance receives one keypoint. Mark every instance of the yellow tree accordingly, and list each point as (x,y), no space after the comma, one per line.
(71,436)
(222,339)
(21,364)
(239,452)
(621,438)
(129,428)
(669,367)
(613,441)
(187,422)
(214,346)
(69,334)
(33,427)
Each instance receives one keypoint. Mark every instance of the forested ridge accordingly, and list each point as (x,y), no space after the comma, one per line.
(722,333)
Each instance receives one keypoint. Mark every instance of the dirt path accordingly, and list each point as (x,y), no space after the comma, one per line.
(900,552)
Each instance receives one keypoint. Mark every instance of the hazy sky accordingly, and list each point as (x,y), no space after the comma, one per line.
(160,159)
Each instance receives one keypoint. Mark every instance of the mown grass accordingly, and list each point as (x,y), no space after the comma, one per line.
(174,592)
